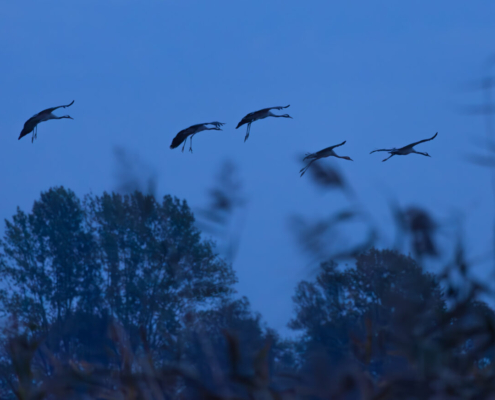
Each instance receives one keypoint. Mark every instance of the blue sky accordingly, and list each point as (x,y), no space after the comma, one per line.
(377,74)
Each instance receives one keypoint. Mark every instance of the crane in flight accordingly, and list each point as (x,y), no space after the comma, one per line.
(191,131)
(404,151)
(260,114)
(327,152)
(31,125)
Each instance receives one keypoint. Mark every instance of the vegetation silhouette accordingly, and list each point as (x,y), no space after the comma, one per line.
(118,296)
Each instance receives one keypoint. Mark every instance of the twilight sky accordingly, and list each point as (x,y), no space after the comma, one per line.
(377,74)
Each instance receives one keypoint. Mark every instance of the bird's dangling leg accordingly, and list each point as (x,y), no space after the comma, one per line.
(185,141)
(389,157)
(190,144)
(304,169)
(247,132)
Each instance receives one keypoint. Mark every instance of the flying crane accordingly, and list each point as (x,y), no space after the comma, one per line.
(260,114)
(31,125)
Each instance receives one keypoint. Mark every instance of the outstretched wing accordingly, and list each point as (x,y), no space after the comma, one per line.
(382,150)
(421,141)
(49,110)
(323,151)
(273,108)
(28,126)
(182,135)
(245,120)
(215,124)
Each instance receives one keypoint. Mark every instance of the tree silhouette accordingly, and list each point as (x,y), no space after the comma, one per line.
(366,313)
(49,262)
(128,258)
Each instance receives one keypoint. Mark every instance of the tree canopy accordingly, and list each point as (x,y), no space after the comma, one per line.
(386,293)
(129,257)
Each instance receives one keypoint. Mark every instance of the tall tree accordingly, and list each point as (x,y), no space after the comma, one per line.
(154,263)
(129,258)
(49,264)
(367,312)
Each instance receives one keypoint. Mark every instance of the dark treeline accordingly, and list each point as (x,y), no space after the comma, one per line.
(116,297)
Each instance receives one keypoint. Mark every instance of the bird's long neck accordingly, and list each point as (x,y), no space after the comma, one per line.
(281,116)
(51,116)
(343,157)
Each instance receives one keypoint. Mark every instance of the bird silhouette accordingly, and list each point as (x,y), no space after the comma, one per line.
(191,131)
(31,125)
(260,114)
(404,151)
(327,152)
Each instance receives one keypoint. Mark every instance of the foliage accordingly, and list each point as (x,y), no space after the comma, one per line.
(128,257)
(118,297)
